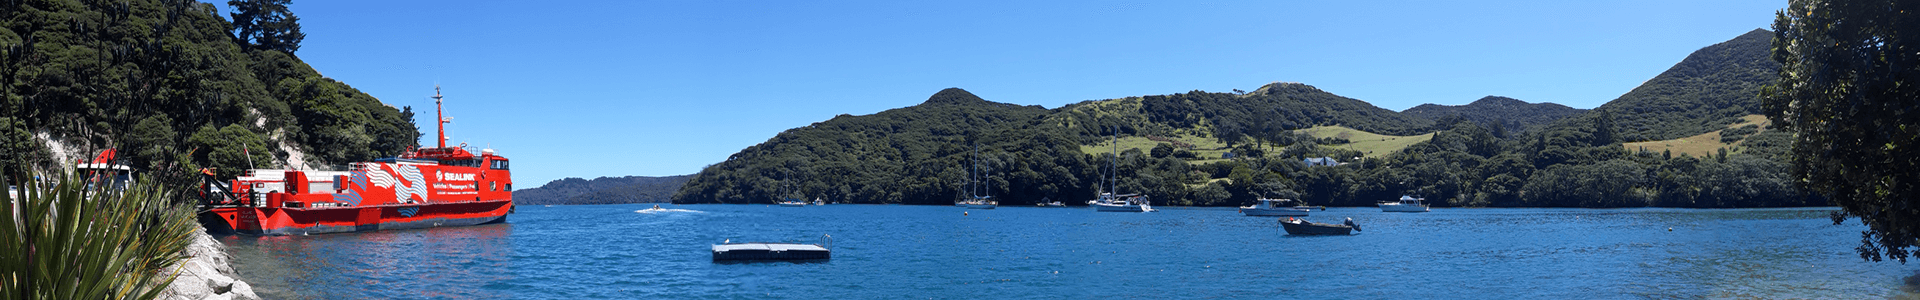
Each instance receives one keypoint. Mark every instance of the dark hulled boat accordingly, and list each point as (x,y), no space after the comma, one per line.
(1302,227)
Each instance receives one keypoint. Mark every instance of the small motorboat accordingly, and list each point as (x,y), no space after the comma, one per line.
(1405,204)
(1274,207)
(1296,226)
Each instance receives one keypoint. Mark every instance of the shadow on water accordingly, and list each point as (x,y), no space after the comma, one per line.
(1911,289)
(772,262)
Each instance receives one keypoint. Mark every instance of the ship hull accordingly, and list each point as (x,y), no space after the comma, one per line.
(307,221)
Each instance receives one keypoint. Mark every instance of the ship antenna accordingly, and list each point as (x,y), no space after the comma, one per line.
(439,114)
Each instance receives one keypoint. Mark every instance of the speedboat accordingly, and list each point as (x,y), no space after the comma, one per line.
(1296,226)
(1274,208)
(1406,204)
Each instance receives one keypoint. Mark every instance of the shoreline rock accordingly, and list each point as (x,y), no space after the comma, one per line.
(207,273)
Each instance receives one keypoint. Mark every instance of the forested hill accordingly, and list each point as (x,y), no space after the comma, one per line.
(1711,88)
(175,86)
(1232,117)
(603,190)
(1215,149)
(905,155)
(1490,110)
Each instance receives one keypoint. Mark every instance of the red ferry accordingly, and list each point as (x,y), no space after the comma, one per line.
(427,187)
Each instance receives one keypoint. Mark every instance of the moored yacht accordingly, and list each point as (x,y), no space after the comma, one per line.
(791,202)
(1108,202)
(1110,199)
(976,181)
(1405,204)
(1274,208)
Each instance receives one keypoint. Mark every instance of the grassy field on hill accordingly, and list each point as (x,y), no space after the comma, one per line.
(1703,144)
(1210,149)
(1374,145)
(1202,147)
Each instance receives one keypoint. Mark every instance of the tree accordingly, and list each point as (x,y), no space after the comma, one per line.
(1162,150)
(266,24)
(1846,89)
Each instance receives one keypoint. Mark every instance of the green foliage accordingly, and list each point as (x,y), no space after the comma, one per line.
(1734,135)
(1709,89)
(18,149)
(915,154)
(230,150)
(908,155)
(1847,90)
(1272,109)
(1496,111)
(266,24)
(144,76)
(69,241)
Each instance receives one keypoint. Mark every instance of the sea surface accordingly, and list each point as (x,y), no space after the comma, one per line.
(943,252)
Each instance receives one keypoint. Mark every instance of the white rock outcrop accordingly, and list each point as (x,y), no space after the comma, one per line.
(207,273)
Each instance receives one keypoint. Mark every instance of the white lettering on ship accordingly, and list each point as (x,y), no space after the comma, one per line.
(444,176)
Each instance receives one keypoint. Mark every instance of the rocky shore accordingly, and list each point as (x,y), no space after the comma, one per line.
(207,273)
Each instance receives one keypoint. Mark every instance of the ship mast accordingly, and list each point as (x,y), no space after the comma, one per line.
(440,117)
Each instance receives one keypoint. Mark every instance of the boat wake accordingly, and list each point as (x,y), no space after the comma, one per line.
(667,210)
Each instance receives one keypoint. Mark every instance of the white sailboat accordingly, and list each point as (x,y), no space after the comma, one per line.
(1113,201)
(976,181)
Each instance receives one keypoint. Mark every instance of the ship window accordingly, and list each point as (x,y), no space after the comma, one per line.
(461,162)
(499,165)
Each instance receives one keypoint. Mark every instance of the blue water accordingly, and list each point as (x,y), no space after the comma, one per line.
(881,251)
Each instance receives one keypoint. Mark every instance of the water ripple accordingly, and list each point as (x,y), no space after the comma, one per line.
(627,252)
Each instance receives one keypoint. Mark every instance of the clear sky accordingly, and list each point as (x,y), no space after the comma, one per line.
(654,88)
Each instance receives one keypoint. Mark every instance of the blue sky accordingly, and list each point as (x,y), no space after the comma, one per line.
(653,88)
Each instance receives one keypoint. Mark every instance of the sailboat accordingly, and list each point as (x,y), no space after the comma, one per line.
(1111,200)
(976,181)
(790,200)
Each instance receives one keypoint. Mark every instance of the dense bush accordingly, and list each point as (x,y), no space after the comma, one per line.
(73,239)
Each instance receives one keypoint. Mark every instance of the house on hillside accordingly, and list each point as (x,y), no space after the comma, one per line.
(1320,162)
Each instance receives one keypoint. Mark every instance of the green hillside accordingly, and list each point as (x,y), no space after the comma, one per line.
(175,86)
(1711,88)
(1510,113)
(1733,138)
(1173,149)
(1371,144)
(905,155)
(913,154)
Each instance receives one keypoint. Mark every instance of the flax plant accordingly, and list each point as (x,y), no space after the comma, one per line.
(65,239)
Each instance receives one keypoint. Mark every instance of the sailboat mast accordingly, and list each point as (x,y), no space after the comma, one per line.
(440,117)
(1115,162)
